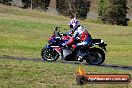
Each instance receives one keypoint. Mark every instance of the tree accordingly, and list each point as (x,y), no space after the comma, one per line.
(82,7)
(6,2)
(62,7)
(102,9)
(113,11)
(40,4)
(78,7)
(26,3)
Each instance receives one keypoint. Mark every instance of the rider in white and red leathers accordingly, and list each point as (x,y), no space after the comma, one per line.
(83,35)
(78,32)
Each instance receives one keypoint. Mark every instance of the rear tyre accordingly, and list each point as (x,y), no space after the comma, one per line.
(49,55)
(96,56)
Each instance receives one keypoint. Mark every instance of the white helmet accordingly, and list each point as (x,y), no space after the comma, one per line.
(75,23)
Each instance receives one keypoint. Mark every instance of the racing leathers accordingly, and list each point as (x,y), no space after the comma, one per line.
(82,34)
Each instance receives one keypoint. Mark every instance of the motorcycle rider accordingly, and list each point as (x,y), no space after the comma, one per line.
(81,33)
(85,38)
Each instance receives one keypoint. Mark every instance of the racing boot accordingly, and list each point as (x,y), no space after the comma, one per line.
(80,58)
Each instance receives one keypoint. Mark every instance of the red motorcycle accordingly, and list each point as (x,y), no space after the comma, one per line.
(91,54)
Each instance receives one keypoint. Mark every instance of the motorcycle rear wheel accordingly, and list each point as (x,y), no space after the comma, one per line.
(49,54)
(96,57)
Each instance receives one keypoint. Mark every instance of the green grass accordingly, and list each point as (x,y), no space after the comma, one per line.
(23,33)
(130,23)
(20,74)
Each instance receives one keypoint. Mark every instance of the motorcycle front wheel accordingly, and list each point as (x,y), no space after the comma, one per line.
(49,55)
(96,56)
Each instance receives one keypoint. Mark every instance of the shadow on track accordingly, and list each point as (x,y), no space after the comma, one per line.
(65,62)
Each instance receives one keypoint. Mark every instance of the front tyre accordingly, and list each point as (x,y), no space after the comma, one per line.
(96,56)
(49,54)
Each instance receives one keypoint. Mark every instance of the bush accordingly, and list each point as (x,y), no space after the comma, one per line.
(113,11)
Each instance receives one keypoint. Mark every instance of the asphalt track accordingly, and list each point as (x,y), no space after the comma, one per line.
(65,62)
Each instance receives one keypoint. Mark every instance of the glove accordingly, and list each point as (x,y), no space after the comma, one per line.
(64,45)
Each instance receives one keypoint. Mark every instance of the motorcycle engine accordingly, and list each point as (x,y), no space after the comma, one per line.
(67,53)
